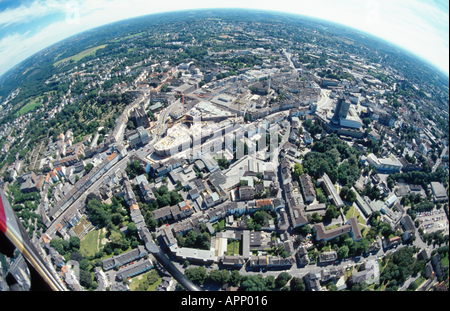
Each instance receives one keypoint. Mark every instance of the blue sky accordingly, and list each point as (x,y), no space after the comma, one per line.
(419,26)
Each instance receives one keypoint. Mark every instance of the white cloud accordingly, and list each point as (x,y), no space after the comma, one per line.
(24,13)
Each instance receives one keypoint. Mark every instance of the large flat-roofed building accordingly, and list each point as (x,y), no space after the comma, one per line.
(331,192)
(350,121)
(209,161)
(362,204)
(387,165)
(439,193)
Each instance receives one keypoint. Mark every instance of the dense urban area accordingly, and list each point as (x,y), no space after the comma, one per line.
(256,154)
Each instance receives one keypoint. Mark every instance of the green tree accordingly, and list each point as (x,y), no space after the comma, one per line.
(298,170)
(219,276)
(76,256)
(282,279)
(235,277)
(343,252)
(85,278)
(305,230)
(88,167)
(332,212)
(316,218)
(132,230)
(74,242)
(116,238)
(197,275)
(297,284)
(332,287)
(152,277)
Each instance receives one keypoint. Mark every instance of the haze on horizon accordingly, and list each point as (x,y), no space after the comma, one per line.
(418,26)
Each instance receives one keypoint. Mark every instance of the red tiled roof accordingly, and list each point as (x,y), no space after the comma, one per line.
(111,157)
(266,202)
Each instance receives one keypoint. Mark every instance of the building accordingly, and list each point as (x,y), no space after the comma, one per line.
(307,138)
(355,233)
(309,193)
(409,228)
(351,227)
(209,162)
(283,221)
(330,190)
(328,257)
(133,270)
(233,261)
(386,165)
(327,235)
(139,117)
(370,273)
(117,261)
(437,264)
(246,193)
(140,137)
(388,243)
(341,110)
(439,192)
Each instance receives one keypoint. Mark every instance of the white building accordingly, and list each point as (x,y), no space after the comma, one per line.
(388,165)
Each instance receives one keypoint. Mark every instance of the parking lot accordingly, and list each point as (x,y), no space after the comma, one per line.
(433,220)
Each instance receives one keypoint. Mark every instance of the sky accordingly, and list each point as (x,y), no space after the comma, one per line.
(419,26)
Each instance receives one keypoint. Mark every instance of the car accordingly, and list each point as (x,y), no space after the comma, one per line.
(148,150)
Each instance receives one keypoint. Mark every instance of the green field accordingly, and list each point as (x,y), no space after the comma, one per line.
(233,248)
(444,260)
(332,227)
(128,37)
(81,55)
(134,284)
(30,106)
(88,245)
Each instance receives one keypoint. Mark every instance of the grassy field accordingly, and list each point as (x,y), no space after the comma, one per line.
(88,245)
(30,106)
(233,248)
(81,55)
(420,280)
(128,37)
(141,278)
(444,260)
(332,227)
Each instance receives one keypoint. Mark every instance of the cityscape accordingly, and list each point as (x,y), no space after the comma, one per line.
(227,151)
